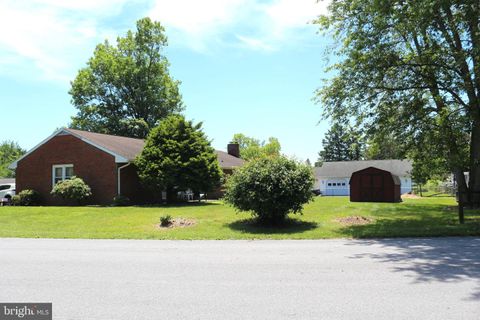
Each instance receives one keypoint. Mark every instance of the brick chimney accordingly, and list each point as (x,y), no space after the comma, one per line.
(233,149)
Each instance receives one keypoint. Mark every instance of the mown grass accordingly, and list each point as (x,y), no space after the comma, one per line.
(214,220)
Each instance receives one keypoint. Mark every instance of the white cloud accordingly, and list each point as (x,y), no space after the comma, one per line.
(288,15)
(196,17)
(255,44)
(294,13)
(92,6)
(287,22)
(197,23)
(50,34)
(255,24)
(51,39)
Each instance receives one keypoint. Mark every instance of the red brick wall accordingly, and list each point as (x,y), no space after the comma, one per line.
(96,167)
(132,188)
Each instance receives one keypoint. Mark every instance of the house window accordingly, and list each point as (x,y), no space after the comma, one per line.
(61,172)
(329,184)
(343,183)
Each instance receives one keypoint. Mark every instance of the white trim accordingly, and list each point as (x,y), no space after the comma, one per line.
(118,158)
(118,177)
(63,167)
(13,165)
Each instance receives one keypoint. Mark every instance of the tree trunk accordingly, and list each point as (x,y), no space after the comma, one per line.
(463,192)
(474,173)
(462,187)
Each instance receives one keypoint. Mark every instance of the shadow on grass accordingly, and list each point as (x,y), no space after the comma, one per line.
(429,260)
(181,205)
(290,226)
(415,220)
(438,195)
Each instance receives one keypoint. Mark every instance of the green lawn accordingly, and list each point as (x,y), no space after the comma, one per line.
(413,217)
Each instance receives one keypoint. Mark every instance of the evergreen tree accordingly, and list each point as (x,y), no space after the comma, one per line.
(178,156)
(384,146)
(341,143)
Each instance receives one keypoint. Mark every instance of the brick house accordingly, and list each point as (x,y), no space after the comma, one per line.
(104,162)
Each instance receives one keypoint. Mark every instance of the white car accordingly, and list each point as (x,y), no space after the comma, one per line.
(7,190)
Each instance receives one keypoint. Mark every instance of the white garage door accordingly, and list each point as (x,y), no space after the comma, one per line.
(337,188)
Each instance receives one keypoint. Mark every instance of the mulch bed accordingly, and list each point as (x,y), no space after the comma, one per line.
(354,220)
(410,196)
(178,223)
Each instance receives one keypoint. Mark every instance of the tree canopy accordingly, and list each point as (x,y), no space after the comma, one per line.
(9,152)
(178,156)
(251,148)
(383,146)
(126,89)
(341,143)
(411,67)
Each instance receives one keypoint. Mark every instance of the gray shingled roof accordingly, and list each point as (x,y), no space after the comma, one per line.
(346,168)
(228,161)
(129,148)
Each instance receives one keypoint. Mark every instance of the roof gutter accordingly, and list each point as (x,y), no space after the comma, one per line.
(118,177)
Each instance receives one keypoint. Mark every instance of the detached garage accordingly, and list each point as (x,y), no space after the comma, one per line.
(332,178)
(374,185)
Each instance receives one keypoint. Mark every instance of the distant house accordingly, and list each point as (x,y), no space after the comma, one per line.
(332,178)
(105,162)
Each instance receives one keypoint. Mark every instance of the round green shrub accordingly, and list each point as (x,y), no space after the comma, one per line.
(72,189)
(270,188)
(27,198)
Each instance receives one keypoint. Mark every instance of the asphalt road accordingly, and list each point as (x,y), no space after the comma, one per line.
(324,279)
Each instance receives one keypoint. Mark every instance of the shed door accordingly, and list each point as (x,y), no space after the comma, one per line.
(371,187)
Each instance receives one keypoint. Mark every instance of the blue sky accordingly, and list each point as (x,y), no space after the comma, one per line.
(246,66)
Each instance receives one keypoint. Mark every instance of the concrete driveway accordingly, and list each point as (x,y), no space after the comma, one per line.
(324,279)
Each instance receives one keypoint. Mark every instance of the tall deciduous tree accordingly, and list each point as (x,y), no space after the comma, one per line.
(9,152)
(251,148)
(177,156)
(126,89)
(341,143)
(416,62)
